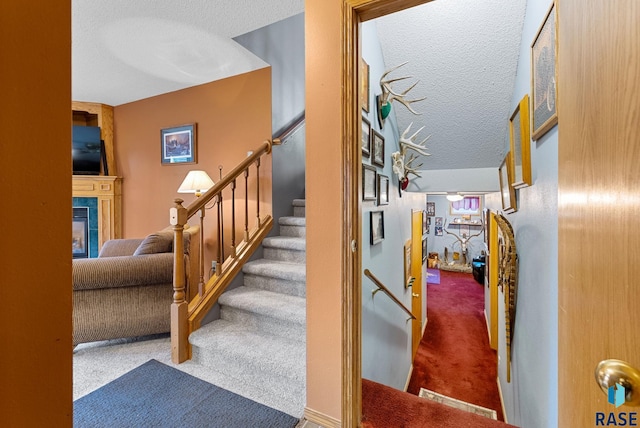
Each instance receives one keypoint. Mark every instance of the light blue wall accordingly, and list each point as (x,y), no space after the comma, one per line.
(531,397)
(386,336)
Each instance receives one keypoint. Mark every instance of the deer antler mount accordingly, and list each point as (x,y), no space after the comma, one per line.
(402,167)
(388,95)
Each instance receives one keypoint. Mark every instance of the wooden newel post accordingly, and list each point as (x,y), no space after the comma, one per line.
(179,339)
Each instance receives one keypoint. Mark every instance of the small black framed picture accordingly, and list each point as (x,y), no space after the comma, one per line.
(383,190)
(377,226)
(368,183)
(377,147)
(366,138)
(431,209)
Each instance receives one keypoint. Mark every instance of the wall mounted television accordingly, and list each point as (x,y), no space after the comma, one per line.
(87,150)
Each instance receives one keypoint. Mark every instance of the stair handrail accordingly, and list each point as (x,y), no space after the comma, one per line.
(188,309)
(388,292)
(199,203)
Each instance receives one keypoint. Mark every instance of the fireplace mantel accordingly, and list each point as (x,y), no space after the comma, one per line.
(108,191)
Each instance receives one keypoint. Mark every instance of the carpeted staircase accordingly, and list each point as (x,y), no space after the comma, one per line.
(257,348)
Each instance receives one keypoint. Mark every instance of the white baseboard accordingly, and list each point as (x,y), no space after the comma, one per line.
(406,385)
(321,419)
(504,411)
(486,320)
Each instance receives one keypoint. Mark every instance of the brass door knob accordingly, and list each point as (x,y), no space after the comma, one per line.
(611,372)
(415,295)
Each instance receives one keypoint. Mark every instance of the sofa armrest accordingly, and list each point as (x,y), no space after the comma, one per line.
(119,247)
(122,271)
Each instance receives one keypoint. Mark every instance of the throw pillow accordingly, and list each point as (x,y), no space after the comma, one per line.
(159,242)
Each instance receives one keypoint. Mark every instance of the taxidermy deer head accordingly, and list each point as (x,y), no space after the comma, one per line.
(389,95)
(401,167)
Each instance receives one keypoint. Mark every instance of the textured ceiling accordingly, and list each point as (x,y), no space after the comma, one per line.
(465,55)
(464,52)
(126,50)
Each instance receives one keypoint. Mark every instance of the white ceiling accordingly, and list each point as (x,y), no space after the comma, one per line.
(464,52)
(126,50)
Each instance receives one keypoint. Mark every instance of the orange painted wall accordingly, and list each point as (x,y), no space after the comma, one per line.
(324,205)
(35,181)
(232,116)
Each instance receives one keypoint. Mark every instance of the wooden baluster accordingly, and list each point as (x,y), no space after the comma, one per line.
(222,257)
(246,205)
(258,190)
(179,342)
(233,218)
(220,233)
(201,262)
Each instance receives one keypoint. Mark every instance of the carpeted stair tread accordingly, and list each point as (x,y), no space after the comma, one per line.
(277,285)
(292,221)
(290,402)
(267,303)
(383,406)
(277,269)
(285,242)
(240,350)
(299,202)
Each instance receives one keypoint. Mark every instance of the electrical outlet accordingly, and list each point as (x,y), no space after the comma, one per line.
(213,265)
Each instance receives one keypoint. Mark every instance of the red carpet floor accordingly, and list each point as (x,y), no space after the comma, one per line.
(385,407)
(454,357)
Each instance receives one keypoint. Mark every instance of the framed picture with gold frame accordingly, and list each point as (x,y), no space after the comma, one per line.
(364,85)
(407,263)
(544,80)
(519,142)
(507,193)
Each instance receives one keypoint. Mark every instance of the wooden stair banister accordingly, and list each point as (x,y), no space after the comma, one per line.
(187,309)
(388,292)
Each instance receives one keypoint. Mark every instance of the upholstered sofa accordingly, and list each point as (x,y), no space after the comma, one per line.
(127,290)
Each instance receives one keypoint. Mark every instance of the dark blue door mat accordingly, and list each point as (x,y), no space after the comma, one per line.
(156,395)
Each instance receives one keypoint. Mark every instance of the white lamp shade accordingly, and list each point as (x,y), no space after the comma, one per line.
(454,197)
(196,182)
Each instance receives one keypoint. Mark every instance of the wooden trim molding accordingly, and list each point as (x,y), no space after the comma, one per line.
(353,13)
(103,114)
(108,191)
(321,419)
(351,223)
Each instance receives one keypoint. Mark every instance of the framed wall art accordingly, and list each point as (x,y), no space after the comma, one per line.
(469,205)
(366,138)
(377,226)
(519,141)
(364,85)
(407,263)
(424,249)
(431,209)
(377,147)
(368,183)
(424,222)
(178,145)
(383,190)
(543,76)
(507,194)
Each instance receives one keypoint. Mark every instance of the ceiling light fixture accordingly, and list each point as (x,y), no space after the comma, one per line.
(453,197)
